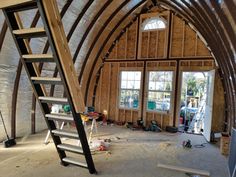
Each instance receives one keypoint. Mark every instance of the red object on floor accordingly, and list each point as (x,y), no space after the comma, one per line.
(181,120)
(102,148)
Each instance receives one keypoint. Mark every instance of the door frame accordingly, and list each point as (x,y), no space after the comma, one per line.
(179,87)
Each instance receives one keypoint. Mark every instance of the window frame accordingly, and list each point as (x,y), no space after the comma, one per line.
(120,89)
(145,22)
(160,91)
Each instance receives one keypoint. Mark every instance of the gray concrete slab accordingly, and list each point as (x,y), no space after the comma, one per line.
(132,153)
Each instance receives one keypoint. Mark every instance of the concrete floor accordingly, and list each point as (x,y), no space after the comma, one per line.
(133,153)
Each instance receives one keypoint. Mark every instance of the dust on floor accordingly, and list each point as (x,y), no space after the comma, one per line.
(130,154)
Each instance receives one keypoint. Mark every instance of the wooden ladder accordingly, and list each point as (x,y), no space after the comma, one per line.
(53,30)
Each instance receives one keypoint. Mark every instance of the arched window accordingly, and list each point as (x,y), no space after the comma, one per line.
(154,23)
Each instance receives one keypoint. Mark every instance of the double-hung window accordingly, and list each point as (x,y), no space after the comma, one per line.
(159,91)
(130,84)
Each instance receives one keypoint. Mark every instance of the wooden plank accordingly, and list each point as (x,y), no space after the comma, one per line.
(126,42)
(27,44)
(132,37)
(118,93)
(109,87)
(37,56)
(183,39)
(100,90)
(121,47)
(53,100)
(3,33)
(9,3)
(46,80)
(156,47)
(64,54)
(184,169)
(30,32)
(148,44)
(189,41)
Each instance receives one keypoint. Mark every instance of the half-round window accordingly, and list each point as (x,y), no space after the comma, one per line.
(154,23)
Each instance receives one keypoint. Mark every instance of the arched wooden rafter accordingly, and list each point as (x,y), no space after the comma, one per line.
(89,28)
(109,51)
(199,14)
(105,42)
(223,56)
(3,33)
(204,30)
(17,81)
(71,31)
(221,53)
(98,35)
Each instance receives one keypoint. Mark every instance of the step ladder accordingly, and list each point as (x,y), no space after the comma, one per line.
(53,30)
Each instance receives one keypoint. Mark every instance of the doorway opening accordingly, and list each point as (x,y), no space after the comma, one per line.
(193,101)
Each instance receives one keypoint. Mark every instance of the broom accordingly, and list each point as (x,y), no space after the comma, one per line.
(10,141)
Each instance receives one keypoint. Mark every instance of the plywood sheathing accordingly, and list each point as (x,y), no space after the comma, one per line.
(147,51)
(184,41)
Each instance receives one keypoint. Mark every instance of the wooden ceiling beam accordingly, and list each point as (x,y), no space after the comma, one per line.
(215,48)
(104,44)
(69,35)
(3,33)
(99,34)
(90,27)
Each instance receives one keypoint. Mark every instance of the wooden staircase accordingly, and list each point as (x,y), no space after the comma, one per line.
(54,32)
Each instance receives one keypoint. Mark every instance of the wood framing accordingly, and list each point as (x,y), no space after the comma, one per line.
(198,58)
(64,54)
(185,169)
(10,3)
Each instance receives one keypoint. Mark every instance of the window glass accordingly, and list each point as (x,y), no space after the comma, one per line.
(154,23)
(159,90)
(130,89)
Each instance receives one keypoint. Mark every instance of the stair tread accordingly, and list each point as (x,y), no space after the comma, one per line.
(6,4)
(71,148)
(74,161)
(46,79)
(53,99)
(63,117)
(29,31)
(37,56)
(65,133)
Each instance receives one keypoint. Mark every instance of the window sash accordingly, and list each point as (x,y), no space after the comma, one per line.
(129,94)
(161,104)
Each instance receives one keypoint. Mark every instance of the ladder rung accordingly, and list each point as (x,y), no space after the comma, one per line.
(30,32)
(16,6)
(53,100)
(46,80)
(70,148)
(74,162)
(38,58)
(64,133)
(61,117)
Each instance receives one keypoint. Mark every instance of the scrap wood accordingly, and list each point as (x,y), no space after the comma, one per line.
(184,169)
